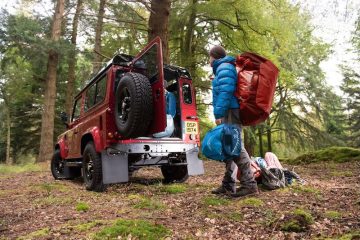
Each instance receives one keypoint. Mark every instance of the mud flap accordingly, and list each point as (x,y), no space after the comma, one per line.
(114,167)
(195,166)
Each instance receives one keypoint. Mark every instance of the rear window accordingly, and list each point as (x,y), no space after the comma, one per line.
(148,64)
(187,95)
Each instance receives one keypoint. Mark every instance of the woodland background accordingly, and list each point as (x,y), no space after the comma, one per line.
(46,57)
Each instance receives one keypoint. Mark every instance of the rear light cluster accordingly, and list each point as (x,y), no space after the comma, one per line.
(113,134)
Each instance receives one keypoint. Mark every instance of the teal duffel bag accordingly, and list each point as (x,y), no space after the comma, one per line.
(222,142)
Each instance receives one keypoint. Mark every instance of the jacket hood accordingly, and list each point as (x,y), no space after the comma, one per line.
(226,59)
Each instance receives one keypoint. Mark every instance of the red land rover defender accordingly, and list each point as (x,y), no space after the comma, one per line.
(121,122)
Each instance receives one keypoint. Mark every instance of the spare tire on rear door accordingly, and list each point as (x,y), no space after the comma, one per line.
(133,107)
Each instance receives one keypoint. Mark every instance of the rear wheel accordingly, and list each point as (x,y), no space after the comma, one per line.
(175,174)
(57,166)
(133,107)
(92,169)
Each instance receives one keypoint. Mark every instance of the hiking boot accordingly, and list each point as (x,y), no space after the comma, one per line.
(242,191)
(222,190)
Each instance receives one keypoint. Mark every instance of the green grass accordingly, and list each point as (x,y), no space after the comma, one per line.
(174,188)
(50,187)
(138,229)
(291,226)
(297,221)
(89,225)
(305,214)
(234,216)
(305,189)
(347,236)
(29,167)
(334,154)
(147,203)
(82,207)
(251,202)
(37,234)
(215,201)
(342,174)
(332,215)
(51,200)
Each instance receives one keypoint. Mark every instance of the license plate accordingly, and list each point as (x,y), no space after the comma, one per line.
(191,128)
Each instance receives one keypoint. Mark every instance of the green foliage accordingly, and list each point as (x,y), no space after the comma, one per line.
(335,154)
(306,215)
(139,229)
(332,214)
(37,234)
(52,200)
(215,201)
(50,187)
(306,113)
(82,207)
(89,225)
(147,203)
(291,226)
(351,88)
(251,202)
(297,221)
(174,188)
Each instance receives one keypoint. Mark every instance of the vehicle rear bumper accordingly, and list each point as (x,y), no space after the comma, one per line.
(154,148)
(115,164)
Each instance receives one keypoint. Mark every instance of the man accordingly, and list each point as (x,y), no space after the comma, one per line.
(226,110)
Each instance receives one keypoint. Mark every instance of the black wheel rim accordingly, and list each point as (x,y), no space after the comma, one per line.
(124,104)
(89,167)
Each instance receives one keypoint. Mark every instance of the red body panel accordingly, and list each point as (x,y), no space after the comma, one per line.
(188,111)
(64,150)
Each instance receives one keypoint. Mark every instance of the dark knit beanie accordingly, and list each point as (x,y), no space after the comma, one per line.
(217,52)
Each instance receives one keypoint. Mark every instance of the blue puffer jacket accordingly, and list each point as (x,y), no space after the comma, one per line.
(224,85)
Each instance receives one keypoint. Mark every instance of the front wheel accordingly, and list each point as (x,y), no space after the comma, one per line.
(175,174)
(57,166)
(92,169)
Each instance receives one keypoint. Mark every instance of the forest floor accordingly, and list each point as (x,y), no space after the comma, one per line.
(35,206)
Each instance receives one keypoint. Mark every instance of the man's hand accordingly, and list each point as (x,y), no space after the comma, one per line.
(219,121)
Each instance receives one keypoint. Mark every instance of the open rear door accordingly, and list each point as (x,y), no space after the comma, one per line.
(149,62)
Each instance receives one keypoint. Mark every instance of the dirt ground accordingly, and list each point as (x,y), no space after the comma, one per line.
(35,206)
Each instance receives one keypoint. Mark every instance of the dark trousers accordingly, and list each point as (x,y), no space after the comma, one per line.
(241,163)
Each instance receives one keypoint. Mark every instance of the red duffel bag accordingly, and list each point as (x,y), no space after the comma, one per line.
(256,84)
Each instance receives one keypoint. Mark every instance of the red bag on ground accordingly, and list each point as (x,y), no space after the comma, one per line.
(256,84)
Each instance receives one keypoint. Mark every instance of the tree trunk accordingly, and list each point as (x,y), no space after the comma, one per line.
(47,120)
(187,57)
(268,133)
(72,60)
(98,32)
(261,149)
(158,24)
(8,160)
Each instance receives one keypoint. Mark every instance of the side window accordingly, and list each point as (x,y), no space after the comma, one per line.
(90,96)
(186,91)
(76,110)
(95,93)
(100,90)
